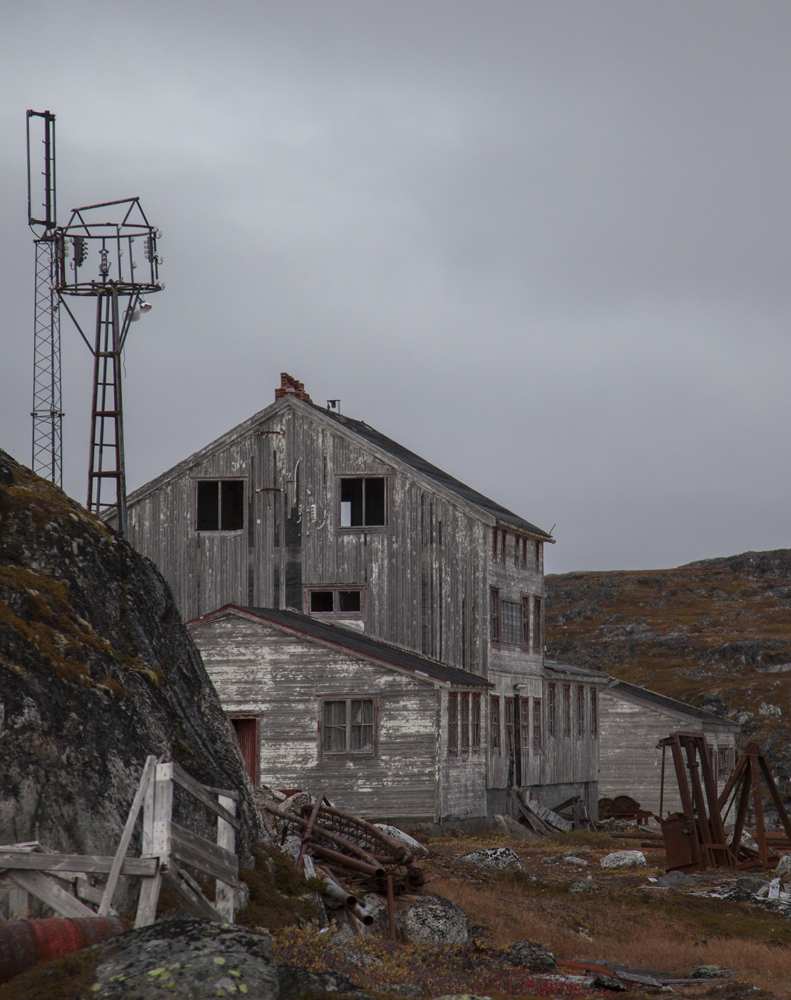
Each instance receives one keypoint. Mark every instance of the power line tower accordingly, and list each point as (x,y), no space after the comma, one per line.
(42,218)
(106,253)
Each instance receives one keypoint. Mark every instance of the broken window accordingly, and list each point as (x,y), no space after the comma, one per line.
(537,625)
(494,722)
(340,601)
(220,505)
(363,502)
(453,723)
(524,725)
(551,723)
(536,725)
(594,726)
(465,722)
(567,710)
(509,725)
(476,722)
(494,612)
(348,726)
(511,622)
(580,712)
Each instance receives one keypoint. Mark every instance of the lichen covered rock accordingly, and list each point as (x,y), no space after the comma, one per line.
(434,921)
(96,672)
(493,857)
(624,859)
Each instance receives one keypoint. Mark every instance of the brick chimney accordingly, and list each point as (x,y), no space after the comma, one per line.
(290,387)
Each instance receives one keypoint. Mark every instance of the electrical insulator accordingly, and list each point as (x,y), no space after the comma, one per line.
(80,250)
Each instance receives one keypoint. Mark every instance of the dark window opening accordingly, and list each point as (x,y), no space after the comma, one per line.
(320,601)
(232,505)
(538,557)
(580,712)
(363,502)
(551,724)
(494,722)
(348,600)
(594,715)
(220,505)
(537,625)
(208,506)
(526,622)
(567,710)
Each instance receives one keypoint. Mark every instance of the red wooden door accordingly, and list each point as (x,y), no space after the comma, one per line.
(246,733)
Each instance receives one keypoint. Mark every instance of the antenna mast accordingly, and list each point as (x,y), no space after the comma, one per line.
(42,218)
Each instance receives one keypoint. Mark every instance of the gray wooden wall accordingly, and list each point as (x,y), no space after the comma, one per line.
(631,764)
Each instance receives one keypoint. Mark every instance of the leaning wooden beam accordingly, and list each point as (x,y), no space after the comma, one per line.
(190,894)
(206,794)
(126,837)
(157,810)
(43,888)
(76,863)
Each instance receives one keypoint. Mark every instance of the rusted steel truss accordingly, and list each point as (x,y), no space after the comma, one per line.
(695,838)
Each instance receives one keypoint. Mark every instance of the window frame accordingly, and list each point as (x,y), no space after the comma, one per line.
(515,635)
(348,753)
(509,727)
(552,726)
(580,712)
(219,530)
(538,624)
(538,744)
(248,717)
(476,722)
(464,722)
(594,713)
(495,735)
(334,615)
(356,529)
(524,726)
(525,623)
(453,723)
(567,711)
(495,625)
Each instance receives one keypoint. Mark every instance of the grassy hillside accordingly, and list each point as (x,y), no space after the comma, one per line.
(715,633)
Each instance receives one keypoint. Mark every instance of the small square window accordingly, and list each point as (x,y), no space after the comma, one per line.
(220,505)
(348,600)
(321,601)
(363,502)
(348,726)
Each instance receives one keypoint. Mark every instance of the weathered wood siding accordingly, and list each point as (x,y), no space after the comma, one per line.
(462,773)
(630,763)
(572,758)
(260,670)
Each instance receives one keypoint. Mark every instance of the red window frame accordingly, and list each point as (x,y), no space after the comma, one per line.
(537,744)
(465,723)
(494,614)
(594,716)
(538,624)
(580,712)
(524,726)
(475,722)
(525,623)
(509,726)
(567,710)
(551,710)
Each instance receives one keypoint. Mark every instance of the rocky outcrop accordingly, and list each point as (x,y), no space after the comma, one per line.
(713,633)
(96,672)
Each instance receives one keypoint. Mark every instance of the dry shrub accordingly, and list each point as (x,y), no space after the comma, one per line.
(643,933)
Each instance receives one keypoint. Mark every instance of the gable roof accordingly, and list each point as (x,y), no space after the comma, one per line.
(369,435)
(349,639)
(633,692)
(402,454)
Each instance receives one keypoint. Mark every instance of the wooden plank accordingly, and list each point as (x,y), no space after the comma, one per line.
(157,810)
(204,794)
(123,846)
(224,895)
(190,894)
(78,863)
(43,888)
(91,894)
(18,902)
(202,854)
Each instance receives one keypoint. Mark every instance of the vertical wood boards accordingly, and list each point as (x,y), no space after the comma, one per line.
(226,838)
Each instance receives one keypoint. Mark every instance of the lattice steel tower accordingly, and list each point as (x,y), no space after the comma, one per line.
(106,252)
(47,415)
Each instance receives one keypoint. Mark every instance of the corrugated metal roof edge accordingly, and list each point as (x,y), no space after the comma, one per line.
(672,704)
(354,642)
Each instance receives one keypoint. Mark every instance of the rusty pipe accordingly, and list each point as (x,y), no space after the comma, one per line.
(347,862)
(362,914)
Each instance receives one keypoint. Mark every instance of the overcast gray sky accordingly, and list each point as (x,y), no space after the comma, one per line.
(543,244)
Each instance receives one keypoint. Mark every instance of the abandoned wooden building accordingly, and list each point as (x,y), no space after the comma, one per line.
(632,721)
(385,732)
(305,509)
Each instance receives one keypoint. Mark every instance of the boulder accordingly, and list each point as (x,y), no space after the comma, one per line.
(294,981)
(493,857)
(186,958)
(433,921)
(584,885)
(96,672)
(530,955)
(783,866)
(624,859)
(709,972)
(674,880)
(394,833)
